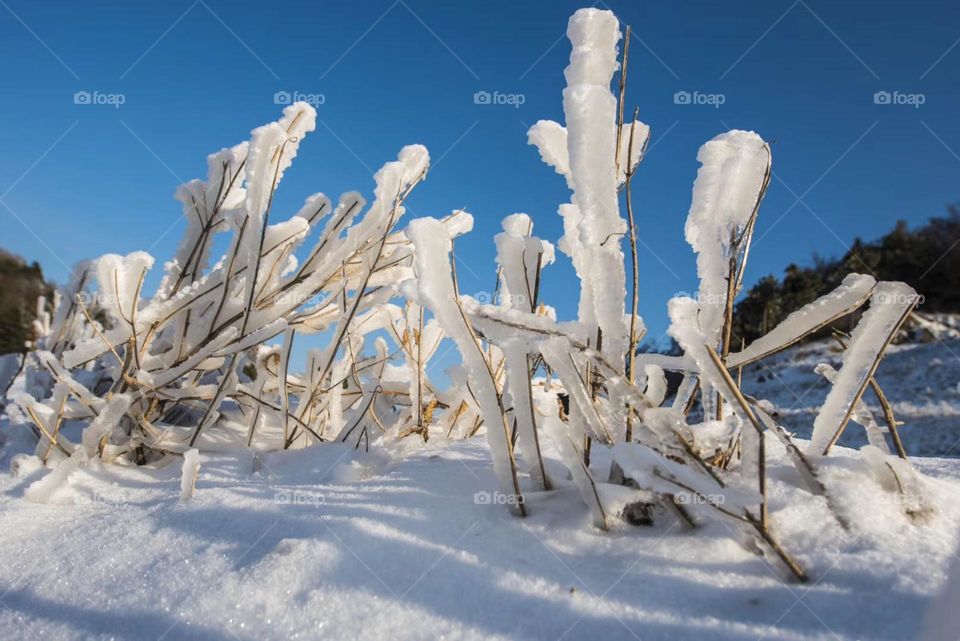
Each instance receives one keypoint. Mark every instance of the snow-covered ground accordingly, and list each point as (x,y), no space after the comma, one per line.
(921,380)
(329,543)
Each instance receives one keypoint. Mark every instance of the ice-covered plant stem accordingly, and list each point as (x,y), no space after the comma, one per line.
(437,289)
(192,361)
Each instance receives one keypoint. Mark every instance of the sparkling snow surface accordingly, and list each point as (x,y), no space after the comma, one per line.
(327,543)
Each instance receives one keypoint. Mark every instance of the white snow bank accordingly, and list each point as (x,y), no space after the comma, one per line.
(420,548)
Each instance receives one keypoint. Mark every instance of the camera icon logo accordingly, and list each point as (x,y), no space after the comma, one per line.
(82,98)
(482,98)
(681,98)
(282,98)
(881,98)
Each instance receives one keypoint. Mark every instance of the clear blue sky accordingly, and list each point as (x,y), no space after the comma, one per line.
(197,76)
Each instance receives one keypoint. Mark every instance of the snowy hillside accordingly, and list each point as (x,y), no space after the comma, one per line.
(921,380)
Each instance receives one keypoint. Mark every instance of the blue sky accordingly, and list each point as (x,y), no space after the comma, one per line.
(77,181)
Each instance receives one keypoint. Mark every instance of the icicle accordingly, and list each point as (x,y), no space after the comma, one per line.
(889,307)
(849,295)
(590,109)
(861,414)
(724,197)
(188,475)
(656,389)
(435,288)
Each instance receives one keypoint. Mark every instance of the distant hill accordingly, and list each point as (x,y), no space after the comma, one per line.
(926,258)
(21,284)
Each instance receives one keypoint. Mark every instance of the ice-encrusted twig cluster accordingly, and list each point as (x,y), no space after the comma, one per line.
(575,382)
(206,358)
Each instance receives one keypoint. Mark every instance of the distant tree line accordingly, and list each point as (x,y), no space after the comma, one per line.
(21,284)
(926,258)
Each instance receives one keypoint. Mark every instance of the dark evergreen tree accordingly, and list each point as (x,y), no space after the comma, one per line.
(926,258)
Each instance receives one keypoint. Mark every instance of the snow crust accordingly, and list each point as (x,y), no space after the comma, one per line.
(330,543)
